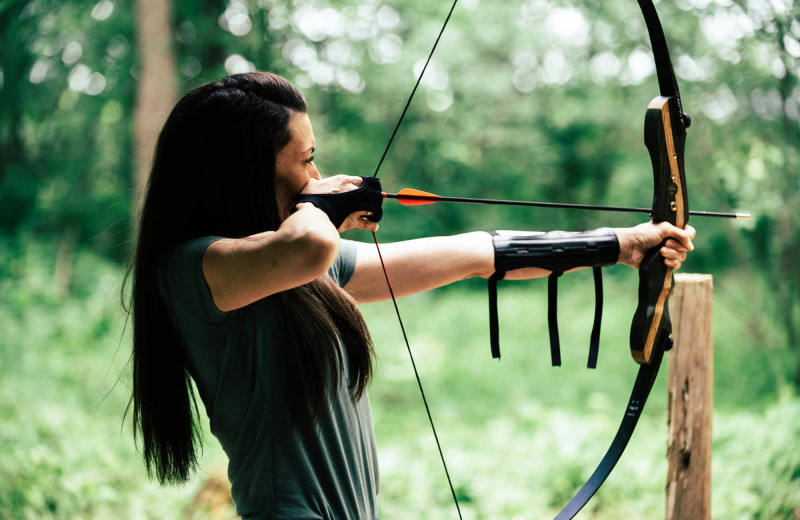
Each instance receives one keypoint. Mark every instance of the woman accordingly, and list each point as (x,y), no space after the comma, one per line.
(253,296)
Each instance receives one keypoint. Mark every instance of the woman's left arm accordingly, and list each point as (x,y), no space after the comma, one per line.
(418,265)
(426,263)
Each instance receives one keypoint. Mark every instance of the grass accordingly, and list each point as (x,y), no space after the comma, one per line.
(519,436)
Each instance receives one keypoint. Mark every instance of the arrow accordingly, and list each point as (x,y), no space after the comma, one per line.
(412,197)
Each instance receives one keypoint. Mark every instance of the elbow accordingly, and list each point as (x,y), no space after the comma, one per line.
(309,243)
(316,250)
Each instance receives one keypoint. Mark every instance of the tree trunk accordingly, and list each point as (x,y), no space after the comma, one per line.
(156,90)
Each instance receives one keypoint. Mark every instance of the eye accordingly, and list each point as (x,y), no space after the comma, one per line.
(309,160)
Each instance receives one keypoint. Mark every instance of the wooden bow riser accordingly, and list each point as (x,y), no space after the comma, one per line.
(665,136)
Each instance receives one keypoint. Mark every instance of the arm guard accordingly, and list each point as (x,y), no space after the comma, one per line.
(556,251)
(338,206)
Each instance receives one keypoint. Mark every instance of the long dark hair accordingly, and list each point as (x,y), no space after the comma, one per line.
(214,174)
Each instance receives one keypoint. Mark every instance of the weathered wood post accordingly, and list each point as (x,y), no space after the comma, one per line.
(690,387)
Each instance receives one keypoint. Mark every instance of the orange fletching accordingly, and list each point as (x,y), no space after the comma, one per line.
(405,192)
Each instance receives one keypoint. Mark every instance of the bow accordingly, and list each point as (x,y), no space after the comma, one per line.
(665,135)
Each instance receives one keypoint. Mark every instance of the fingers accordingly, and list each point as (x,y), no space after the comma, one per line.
(672,257)
(365,223)
(347,182)
(664,231)
(334,184)
(358,220)
(342,183)
(685,237)
(677,244)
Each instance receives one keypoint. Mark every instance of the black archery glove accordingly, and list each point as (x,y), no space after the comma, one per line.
(338,206)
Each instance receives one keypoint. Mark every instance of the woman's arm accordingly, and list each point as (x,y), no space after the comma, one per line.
(418,265)
(242,271)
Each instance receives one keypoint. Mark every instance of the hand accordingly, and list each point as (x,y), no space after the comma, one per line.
(335,184)
(342,184)
(358,220)
(635,241)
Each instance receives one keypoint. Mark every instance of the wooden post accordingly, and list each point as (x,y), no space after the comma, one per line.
(690,387)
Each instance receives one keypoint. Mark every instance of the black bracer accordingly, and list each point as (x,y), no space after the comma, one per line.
(556,251)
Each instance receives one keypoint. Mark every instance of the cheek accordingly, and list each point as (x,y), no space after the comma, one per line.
(299,180)
(284,175)
(289,184)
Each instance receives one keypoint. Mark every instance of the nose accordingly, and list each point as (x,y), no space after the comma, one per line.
(314,173)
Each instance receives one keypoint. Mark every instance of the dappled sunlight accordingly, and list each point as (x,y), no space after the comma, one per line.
(639,67)
(326,54)
(83,79)
(102,10)
(236,18)
(720,105)
(319,24)
(72,53)
(237,64)
(387,49)
(605,67)
(568,26)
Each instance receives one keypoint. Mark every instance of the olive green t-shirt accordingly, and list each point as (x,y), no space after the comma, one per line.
(237,363)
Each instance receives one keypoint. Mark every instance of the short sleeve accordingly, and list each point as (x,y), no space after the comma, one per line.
(183,285)
(345,263)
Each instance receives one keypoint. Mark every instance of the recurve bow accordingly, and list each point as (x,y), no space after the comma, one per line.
(665,135)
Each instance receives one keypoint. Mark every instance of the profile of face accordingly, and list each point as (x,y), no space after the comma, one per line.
(294,163)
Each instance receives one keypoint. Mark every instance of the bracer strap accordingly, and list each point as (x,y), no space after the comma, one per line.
(494,325)
(552,317)
(594,342)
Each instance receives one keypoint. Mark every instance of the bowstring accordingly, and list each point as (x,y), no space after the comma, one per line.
(414,90)
(416,374)
(386,274)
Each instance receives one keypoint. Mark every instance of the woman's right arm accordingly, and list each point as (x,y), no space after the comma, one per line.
(241,271)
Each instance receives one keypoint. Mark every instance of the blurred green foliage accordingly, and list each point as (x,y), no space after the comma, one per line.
(66,452)
(67,95)
(533,99)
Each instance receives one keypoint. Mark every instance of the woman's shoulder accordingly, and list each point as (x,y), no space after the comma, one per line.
(345,263)
(182,283)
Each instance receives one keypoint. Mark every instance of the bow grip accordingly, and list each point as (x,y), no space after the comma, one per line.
(651,322)
(665,135)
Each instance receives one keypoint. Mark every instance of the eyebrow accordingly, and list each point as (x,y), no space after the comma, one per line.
(299,154)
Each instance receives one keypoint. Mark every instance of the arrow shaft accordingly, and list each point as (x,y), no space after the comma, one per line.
(501,202)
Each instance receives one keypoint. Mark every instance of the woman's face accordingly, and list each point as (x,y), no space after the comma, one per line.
(295,163)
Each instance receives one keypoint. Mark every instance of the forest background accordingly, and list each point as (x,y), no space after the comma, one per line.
(530,99)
